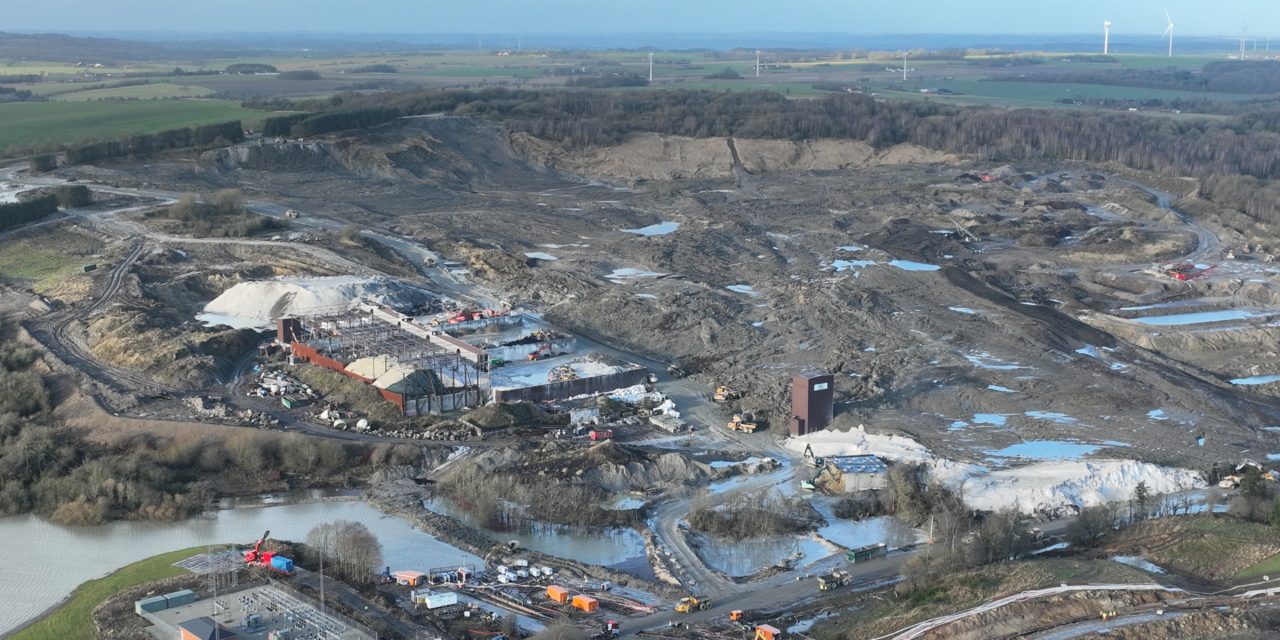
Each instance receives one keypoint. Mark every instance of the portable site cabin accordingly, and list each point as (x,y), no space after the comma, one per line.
(408,578)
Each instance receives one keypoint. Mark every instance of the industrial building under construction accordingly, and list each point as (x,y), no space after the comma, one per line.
(457,361)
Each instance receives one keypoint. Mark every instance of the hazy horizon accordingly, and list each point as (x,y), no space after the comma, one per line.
(594,18)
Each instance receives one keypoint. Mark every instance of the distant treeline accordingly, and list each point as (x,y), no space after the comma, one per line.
(306,74)
(1007,61)
(247,68)
(11,94)
(202,136)
(1223,76)
(375,68)
(282,125)
(21,78)
(15,214)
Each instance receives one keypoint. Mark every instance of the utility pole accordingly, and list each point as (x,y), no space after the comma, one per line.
(324,548)
(904,67)
(757,63)
(650,66)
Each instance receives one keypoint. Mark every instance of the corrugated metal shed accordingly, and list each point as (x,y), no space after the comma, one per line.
(858,464)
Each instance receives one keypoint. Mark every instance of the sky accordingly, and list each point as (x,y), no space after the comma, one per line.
(1192,17)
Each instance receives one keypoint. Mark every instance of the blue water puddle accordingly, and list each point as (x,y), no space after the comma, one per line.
(957,425)
(1202,317)
(659,229)
(1157,414)
(993,419)
(965,310)
(1256,380)
(846,265)
(907,265)
(1045,450)
(996,387)
(1060,418)
(1089,350)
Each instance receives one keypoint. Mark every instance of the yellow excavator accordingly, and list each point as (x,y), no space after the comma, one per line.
(690,604)
(725,394)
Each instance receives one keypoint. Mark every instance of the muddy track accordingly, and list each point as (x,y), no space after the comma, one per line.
(60,339)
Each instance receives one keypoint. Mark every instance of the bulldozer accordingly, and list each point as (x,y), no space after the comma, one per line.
(689,604)
(743,424)
(725,394)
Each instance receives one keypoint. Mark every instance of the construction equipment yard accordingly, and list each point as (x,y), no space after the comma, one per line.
(603,348)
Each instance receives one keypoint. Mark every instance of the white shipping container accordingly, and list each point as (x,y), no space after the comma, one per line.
(435,599)
(548,571)
(522,563)
(523,573)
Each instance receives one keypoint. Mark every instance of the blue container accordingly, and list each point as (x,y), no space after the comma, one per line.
(282,564)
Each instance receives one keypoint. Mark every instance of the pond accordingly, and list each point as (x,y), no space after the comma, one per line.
(612,547)
(44,562)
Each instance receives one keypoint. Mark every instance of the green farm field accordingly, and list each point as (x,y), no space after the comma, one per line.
(43,123)
(150,91)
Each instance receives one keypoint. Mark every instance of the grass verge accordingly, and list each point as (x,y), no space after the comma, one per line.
(73,619)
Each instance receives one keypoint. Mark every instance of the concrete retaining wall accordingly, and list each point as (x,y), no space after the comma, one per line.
(571,388)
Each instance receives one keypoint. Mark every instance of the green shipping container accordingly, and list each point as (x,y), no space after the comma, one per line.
(179,598)
(89,267)
(150,605)
(288,404)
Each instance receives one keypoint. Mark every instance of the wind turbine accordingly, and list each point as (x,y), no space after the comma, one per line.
(1244,32)
(650,66)
(1106,36)
(757,63)
(1169,32)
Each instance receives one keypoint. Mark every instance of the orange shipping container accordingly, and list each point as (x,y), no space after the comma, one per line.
(768,632)
(557,594)
(585,603)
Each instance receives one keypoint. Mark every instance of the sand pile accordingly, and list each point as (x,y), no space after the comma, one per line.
(266,300)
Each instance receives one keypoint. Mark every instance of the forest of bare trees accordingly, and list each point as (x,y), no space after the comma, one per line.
(350,550)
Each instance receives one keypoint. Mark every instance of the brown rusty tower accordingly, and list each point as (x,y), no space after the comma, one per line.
(812,401)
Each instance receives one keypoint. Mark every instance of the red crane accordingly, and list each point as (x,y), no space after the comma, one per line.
(255,556)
